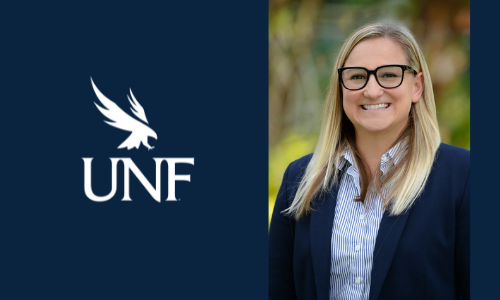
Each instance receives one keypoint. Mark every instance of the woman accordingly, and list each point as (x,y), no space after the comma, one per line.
(381,209)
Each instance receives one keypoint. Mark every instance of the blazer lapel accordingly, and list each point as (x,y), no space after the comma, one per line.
(388,236)
(321,236)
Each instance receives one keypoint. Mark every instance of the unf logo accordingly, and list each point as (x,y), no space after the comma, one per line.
(129,165)
(139,135)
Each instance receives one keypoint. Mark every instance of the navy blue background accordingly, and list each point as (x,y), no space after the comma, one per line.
(485,202)
(199,69)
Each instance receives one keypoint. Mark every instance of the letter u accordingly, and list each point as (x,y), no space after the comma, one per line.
(88,180)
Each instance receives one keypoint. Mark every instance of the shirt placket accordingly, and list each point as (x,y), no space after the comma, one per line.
(357,278)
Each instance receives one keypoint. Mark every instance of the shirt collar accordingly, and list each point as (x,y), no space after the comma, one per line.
(348,158)
(394,150)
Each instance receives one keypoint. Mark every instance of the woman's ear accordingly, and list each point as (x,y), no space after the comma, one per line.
(419,87)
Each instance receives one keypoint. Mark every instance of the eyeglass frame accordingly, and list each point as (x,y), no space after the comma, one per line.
(374,72)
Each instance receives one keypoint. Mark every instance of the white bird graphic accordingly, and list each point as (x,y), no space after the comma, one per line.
(123,121)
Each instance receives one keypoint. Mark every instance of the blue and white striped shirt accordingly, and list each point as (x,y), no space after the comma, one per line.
(354,233)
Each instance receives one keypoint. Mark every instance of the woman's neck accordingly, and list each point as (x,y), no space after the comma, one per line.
(372,146)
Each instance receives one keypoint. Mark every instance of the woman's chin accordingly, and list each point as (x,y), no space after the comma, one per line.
(374,128)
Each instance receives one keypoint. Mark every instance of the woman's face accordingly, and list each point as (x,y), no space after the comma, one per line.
(392,119)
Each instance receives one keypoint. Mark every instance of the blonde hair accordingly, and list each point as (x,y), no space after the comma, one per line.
(420,139)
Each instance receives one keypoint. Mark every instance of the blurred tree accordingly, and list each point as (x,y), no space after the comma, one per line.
(292,27)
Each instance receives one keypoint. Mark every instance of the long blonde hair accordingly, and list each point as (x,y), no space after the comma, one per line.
(421,138)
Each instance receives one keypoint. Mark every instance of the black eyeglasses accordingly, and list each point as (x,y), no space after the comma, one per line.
(389,76)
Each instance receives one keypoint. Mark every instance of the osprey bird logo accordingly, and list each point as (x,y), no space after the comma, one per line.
(123,121)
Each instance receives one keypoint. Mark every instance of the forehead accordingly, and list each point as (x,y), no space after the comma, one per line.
(376,52)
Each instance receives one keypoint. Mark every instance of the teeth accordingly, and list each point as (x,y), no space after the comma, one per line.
(383,105)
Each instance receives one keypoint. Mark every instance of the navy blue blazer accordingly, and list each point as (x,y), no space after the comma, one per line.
(422,254)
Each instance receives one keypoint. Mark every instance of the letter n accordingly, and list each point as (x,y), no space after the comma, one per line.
(130,166)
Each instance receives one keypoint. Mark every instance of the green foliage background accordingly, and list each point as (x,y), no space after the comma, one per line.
(304,37)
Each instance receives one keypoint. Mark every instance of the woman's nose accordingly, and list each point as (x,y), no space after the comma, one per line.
(372,89)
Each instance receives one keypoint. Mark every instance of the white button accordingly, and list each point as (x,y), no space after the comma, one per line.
(362,217)
(357,247)
(358,280)
(385,158)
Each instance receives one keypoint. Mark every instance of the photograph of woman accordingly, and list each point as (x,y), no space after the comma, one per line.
(380,210)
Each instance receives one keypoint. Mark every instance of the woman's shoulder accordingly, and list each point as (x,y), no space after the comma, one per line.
(454,150)
(448,154)
(451,164)
(297,167)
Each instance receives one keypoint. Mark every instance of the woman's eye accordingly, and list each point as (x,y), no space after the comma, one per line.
(357,77)
(389,75)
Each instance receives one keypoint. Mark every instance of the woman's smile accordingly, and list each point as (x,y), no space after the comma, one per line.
(377,107)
